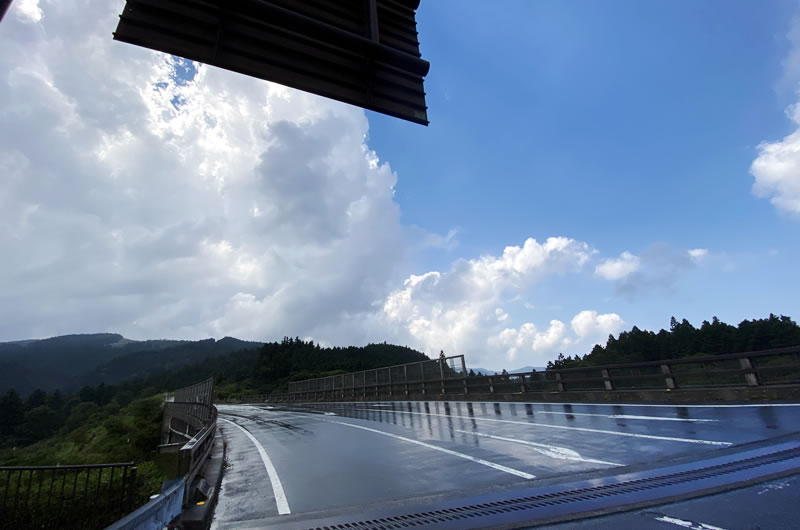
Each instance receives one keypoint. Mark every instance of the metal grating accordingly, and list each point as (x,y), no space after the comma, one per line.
(362,52)
(531,503)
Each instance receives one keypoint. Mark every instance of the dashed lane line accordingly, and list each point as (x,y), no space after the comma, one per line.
(566,427)
(441,449)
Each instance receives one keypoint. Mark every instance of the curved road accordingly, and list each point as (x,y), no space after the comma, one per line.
(334,455)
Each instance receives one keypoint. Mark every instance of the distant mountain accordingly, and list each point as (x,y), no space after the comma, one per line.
(528,369)
(70,361)
(486,371)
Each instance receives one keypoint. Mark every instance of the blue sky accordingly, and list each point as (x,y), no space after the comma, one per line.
(589,166)
(619,123)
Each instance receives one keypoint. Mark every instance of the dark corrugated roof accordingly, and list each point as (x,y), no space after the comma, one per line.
(328,47)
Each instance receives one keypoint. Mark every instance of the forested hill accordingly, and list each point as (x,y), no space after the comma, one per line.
(70,361)
(270,367)
(683,339)
(301,360)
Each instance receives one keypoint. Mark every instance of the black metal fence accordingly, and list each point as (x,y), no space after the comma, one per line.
(89,497)
(749,369)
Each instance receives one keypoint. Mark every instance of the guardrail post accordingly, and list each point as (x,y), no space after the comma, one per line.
(669,380)
(750,377)
(560,382)
(607,379)
(491,384)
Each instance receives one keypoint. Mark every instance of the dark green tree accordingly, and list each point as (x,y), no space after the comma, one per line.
(37,398)
(12,412)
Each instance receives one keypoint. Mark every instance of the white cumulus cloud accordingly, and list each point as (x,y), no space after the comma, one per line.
(456,310)
(529,345)
(591,325)
(777,170)
(618,268)
(28,10)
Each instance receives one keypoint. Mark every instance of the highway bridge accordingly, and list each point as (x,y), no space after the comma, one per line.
(481,464)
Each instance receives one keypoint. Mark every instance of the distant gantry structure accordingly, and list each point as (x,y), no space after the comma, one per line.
(362,52)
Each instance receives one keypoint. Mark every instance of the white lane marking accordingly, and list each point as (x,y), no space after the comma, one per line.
(565,427)
(621,416)
(659,418)
(442,449)
(552,451)
(687,524)
(277,487)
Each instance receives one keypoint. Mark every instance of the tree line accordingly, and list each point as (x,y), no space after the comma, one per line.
(683,340)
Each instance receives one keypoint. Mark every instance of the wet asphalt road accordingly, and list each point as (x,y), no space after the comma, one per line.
(355,454)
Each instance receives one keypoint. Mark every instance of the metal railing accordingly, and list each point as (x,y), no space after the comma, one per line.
(197,393)
(421,377)
(188,428)
(748,369)
(87,496)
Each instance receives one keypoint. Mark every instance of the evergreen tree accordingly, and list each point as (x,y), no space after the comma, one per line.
(12,412)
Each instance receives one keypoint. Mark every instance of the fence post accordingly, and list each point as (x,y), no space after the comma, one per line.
(750,377)
(131,490)
(607,379)
(522,384)
(405,377)
(560,382)
(422,377)
(491,384)
(464,374)
(669,380)
(441,374)
(389,370)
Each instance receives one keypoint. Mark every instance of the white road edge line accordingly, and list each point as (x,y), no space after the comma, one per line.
(442,449)
(552,451)
(565,427)
(277,487)
(687,524)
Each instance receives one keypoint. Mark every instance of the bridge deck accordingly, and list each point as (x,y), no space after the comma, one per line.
(358,454)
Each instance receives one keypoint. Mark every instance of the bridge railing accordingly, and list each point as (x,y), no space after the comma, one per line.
(188,428)
(84,496)
(773,367)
